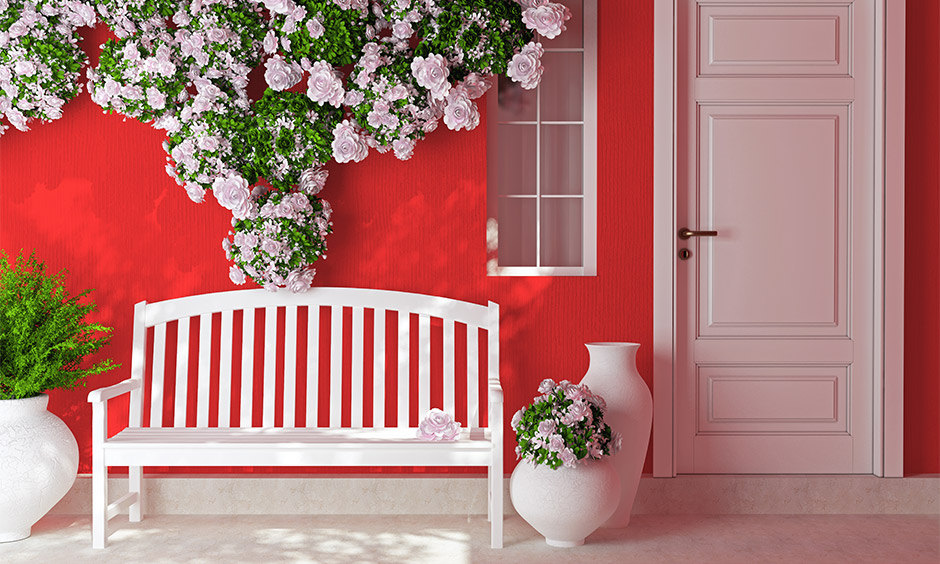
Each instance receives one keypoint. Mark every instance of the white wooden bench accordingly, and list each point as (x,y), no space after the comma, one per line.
(165,428)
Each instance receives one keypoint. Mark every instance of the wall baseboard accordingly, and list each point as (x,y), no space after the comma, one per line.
(352,494)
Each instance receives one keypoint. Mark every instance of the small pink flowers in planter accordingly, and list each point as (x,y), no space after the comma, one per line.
(438,426)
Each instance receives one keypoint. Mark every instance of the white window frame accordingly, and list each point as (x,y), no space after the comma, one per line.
(588,158)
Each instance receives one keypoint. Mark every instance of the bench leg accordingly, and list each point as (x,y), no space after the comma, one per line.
(99,502)
(136,485)
(496,504)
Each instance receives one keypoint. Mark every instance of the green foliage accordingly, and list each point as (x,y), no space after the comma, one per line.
(290,134)
(43,333)
(343,37)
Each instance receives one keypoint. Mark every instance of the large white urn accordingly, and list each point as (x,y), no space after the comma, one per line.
(565,505)
(612,374)
(38,464)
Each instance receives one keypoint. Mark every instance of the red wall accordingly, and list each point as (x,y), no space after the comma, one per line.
(89,193)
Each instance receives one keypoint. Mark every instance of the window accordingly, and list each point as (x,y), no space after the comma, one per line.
(542,169)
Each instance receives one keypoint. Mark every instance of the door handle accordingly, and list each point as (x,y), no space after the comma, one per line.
(686,233)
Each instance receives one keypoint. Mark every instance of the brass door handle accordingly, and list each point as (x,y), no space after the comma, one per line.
(686,233)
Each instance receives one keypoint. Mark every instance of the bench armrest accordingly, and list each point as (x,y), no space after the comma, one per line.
(104,394)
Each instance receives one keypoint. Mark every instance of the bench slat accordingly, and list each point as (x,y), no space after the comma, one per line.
(424,365)
(473,376)
(313,365)
(248,365)
(270,362)
(404,353)
(205,359)
(357,368)
(378,371)
(182,372)
(156,386)
(225,369)
(290,365)
(336,366)
(449,384)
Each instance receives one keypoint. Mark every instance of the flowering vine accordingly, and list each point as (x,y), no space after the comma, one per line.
(343,77)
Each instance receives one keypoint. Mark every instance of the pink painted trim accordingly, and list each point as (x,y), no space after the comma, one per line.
(894,241)
(663,240)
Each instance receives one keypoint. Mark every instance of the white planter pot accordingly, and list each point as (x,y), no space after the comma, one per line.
(38,463)
(567,504)
(612,374)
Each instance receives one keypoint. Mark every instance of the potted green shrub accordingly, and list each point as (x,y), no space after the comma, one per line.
(44,339)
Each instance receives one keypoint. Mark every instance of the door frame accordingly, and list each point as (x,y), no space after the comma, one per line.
(888,339)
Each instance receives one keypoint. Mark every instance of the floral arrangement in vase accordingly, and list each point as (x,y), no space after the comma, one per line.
(343,77)
(563,426)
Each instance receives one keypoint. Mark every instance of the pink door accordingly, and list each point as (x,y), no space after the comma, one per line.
(774,313)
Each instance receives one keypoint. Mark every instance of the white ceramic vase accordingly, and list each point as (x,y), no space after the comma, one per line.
(612,374)
(568,504)
(38,464)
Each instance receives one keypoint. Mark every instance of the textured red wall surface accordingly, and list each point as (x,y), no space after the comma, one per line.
(89,193)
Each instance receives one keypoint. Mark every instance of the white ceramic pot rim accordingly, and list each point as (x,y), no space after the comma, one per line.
(612,344)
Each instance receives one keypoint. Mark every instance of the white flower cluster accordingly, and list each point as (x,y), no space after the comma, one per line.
(39,58)
(275,235)
(564,424)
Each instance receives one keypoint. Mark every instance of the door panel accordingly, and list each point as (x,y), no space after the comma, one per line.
(774,315)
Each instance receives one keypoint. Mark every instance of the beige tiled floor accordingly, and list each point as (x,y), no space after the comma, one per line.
(725,539)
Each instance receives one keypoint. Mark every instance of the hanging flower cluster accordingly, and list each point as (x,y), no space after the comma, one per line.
(39,58)
(343,77)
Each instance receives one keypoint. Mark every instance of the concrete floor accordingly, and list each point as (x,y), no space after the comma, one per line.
(674,539)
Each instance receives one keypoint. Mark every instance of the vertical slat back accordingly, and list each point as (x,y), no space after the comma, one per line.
(313,365)
(290,364)
(282,408)
(182,372)
(138,364)
(226,343)
(205,364)
(270,362)
(156,381)
(473,376)
(404,352)
(449,383)
(357,369)
(336,365)
(378,370)
(248,365)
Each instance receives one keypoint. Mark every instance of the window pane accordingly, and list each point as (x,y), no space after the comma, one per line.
(516,231)
(561,159)
(514,102)
(561,91)
(560,232)
(573,35)
(515,167)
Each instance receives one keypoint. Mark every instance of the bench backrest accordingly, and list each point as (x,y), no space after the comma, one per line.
(312,359)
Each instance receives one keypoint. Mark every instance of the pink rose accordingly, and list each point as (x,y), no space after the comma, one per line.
(279,74)
(576,412)
(404,148)
(438,426)
(547,19)
(556,443)
(236,275)
(270,42)
(325,85)
(402,30)
(460,112)
(476,85)
(526,67)
(300,280)
(195,192)
(546,386)
(24,68)
(313,180)
(271,246)
(315,28)
(568,458)
(547,427)
(517,418)
(232,193)
(432,73)
(155,98)
(347,144)
(279,6)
